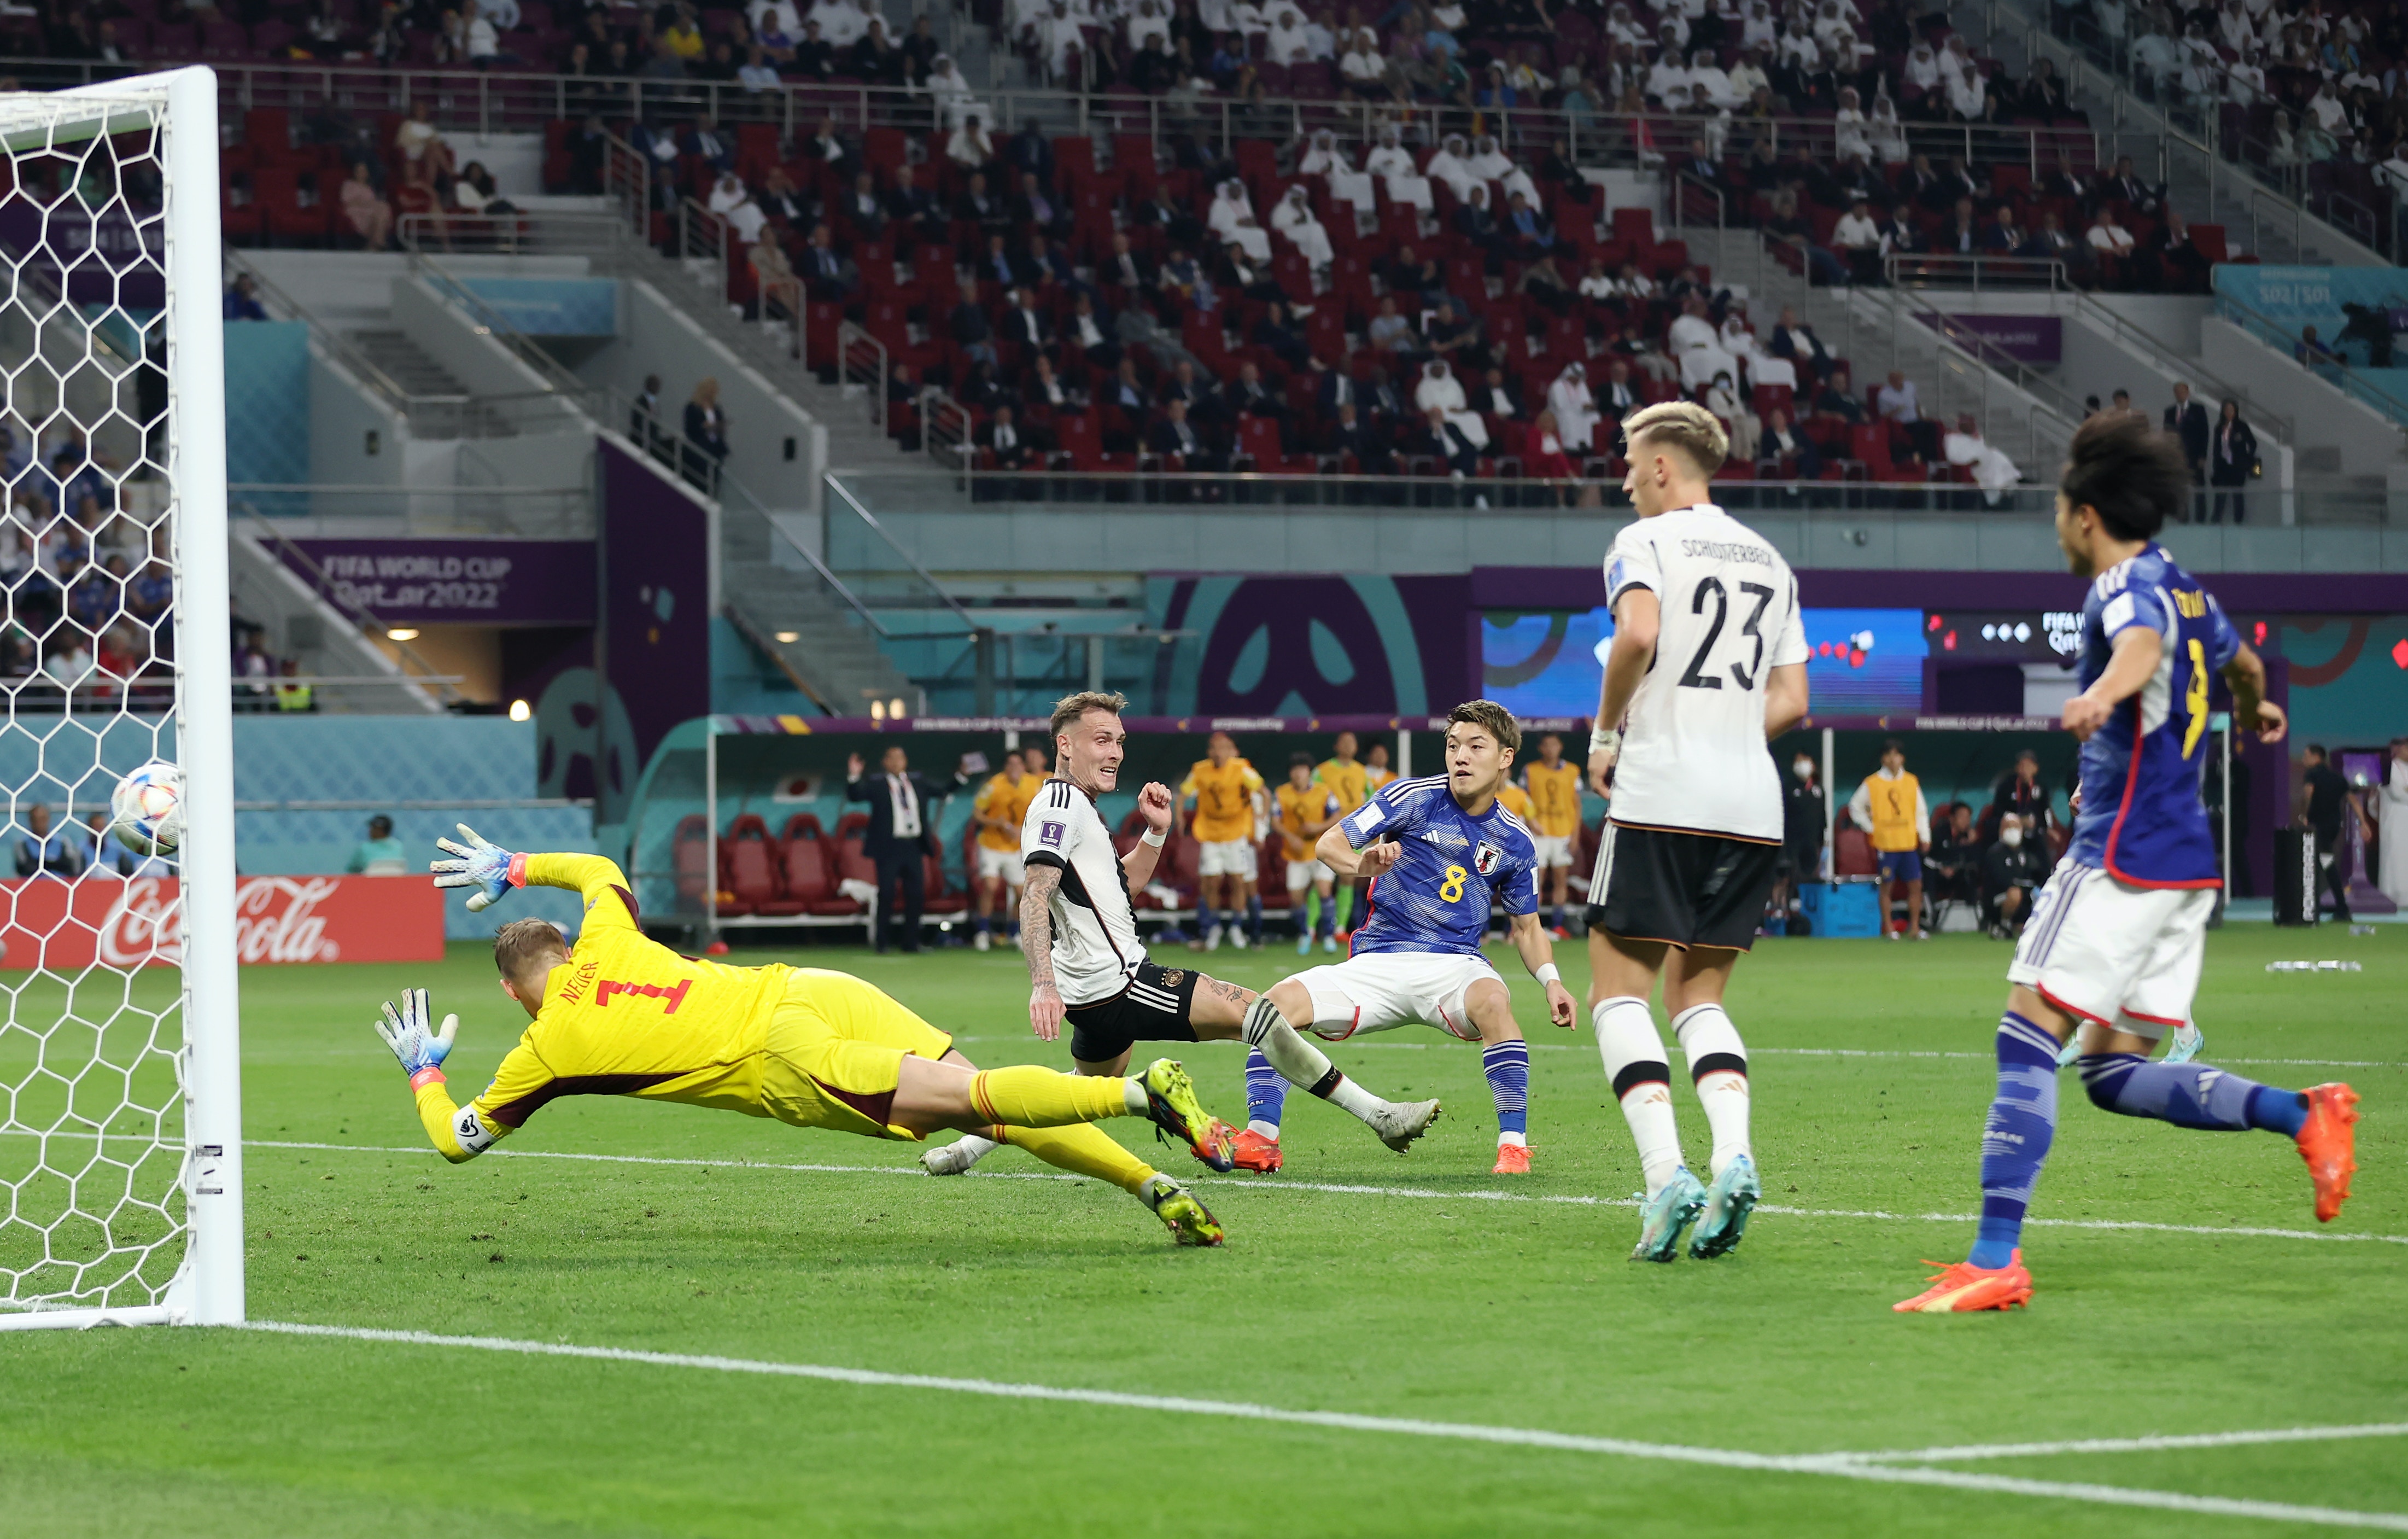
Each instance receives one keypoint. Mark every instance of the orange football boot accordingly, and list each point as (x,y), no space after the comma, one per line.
(1512,1160)
(1962,1287)
(1254,1152)
(2329,1143)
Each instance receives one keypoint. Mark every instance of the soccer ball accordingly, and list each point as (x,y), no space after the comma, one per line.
(146,812)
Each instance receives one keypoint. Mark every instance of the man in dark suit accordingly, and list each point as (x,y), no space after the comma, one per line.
(1348,433)
(2003,237)
(1125,271)
(1008,442)
(914,207)
(977,206)
(1382,398)
(971,333)
(1251,397)
(828,272)
(1025,324)
(903,808)
(1196,391)
(2187,420)
(1175,434)
(1333,388)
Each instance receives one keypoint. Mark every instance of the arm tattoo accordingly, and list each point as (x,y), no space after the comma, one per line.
(1036,921)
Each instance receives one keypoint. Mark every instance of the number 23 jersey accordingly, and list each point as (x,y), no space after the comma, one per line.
(1693,758)
(2142,820)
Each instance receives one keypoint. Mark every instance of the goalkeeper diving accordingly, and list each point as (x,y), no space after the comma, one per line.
(621,1014)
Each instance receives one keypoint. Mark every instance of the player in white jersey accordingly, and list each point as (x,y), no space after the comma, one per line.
(1708,663)
(1087,965)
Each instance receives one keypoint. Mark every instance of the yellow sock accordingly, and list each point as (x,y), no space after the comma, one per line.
(1084,1151)
(1029,1096)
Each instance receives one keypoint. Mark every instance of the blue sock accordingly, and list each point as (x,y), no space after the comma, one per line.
(980,924)
(2015,1138)
(1326,928)
(1508,1067)
(1254,916)
(1266,1094)
(2190,1094)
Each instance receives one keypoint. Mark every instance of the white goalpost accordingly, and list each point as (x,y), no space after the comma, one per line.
(121,1117)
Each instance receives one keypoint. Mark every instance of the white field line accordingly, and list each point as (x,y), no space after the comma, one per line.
(1843,1466)
(1279,1184)
(2143,1444)
(1826,1053)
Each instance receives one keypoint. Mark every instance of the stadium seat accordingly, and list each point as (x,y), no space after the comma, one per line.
(690,857)
(748,864)
(1852,854)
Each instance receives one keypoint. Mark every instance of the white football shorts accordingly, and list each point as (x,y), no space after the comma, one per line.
(1002,865)
(1228,857)
(2125,958)
(1552,850)
(1304,873)
(1382,991)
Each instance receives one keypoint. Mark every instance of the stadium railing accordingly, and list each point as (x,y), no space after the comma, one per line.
(499,102)
(526,512)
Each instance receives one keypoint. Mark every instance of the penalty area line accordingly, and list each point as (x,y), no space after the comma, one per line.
(1341,1188)
(1841,1466)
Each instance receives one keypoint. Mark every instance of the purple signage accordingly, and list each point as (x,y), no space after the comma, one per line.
(2026,338)
(456,581)
(656,621)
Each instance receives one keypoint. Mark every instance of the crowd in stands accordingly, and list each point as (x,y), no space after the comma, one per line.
(2292,85)
(87,584)
(1284,308)
(65,849)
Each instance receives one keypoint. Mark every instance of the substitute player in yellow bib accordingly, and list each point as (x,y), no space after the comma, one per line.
(1225,798)
(1001,808)
(1302,806)
(621,1014)
(1555,820)
(1889,806)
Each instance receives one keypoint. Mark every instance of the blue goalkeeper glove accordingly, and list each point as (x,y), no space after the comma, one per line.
(405,1029)
(481,864)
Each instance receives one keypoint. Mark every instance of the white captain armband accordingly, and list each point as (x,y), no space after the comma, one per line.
(469,1128)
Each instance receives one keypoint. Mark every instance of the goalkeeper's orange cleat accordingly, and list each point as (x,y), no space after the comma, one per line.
(1512,1160)
(1254,1152)
(1962,1289)
(2329,1143)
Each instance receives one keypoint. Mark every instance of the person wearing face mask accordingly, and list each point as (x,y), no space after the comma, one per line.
(2012,871)
(1954,872)
(1806,814)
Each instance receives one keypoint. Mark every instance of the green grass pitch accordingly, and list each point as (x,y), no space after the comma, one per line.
(1421,1298)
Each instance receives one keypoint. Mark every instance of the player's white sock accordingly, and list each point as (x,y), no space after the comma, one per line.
(1299,1062)
(1718,1068)
(1642,1077)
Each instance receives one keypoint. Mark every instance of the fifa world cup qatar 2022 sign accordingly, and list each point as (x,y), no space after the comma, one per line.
(120,922)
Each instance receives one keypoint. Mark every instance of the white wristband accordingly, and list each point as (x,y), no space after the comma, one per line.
(1156,838)
(1604,739)
(1547,972)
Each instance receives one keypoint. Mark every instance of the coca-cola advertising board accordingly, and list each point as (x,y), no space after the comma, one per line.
(119,922)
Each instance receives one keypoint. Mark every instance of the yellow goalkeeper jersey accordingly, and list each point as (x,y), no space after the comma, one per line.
(1224,799)
(1513,799)
(625,1016)
(1003,797)
(1554,798)
(1315,803)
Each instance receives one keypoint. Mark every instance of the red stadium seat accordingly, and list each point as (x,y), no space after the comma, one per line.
(748,865)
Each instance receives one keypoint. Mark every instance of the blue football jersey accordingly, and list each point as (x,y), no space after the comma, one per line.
(1436,897)
(2142,819)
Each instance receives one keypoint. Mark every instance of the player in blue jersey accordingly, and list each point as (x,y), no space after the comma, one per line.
(2113,945)
(1441,851)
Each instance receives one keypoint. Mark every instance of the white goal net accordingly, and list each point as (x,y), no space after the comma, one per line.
(120,1116)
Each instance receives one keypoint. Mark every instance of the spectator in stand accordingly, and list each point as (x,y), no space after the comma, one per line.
(42,851)
(828,272)
(970,330)
(1990,469)
(242,299)
(2178,267)
(2187,420)
(1896,403)
(706,434)
(1858,241)
(1391,333)
(1006,441)
(419,140)
(370,215)
(1574,406)
(1174,435)
(2051,243)
(2127,185)
(2004,238)
(781,290)
(1900,235)
(2020,792)
(380,853)
(1787,453)
(2232,460)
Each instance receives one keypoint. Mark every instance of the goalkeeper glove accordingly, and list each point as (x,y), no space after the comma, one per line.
(404,1030)
(481,864)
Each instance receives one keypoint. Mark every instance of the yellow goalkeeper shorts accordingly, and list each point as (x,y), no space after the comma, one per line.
(836,1051)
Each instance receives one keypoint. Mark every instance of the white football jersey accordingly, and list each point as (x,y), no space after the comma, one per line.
(1095,948)
(1694,756)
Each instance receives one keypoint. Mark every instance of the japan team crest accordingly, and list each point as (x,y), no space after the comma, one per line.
(1486,858)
